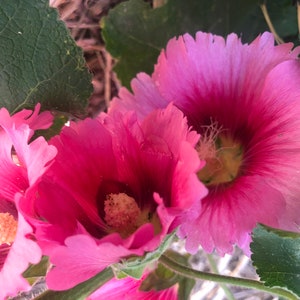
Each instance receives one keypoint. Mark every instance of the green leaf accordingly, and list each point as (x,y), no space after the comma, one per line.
(39,60)
(59,121)
(276,255)
(185,284)
(80,291)
(283,16)
(134,267)
(135,33)
(33,272)
(160,279)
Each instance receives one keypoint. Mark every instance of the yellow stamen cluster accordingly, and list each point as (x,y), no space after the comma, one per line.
(123,215)
(120,211)
(8,228)
(222,154)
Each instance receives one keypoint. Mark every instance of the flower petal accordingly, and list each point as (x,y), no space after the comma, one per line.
(22,252)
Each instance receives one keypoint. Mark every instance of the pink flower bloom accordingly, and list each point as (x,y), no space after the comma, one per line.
(117,187)
(244,101)
(129,289)
(22,164)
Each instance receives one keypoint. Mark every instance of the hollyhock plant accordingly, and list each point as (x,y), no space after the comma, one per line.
(22,164)
(116,189)
(129,289)
(243,99)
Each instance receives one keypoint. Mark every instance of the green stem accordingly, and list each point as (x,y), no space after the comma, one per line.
(80,291)
(214,268)
(248,283)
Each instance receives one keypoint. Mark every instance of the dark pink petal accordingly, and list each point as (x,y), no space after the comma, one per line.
(153,161)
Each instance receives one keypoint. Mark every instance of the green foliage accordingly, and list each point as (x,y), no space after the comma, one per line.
(185,284)
(39,60)
(34,272)
(134,267)
(59,121)
(80,291)
(276,255)
(135,33)
(284,19)
(162,277)
(37,270)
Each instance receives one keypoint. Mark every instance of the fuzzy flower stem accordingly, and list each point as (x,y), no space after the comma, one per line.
(248,283)
(82,290)
(214,268)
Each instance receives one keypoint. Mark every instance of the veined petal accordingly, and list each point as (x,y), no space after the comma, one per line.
(22,165)
(243,99)
(110,171)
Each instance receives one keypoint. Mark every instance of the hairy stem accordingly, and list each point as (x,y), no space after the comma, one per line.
(248,283)
(214,268)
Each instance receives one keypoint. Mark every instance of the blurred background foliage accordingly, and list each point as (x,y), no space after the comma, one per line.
(135,31)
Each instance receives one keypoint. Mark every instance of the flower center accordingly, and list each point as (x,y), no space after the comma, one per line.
(123,215)
(8,228)
(223,156)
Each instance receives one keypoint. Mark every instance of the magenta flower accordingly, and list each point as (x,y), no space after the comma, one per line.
(129,289)
(22,164)
(244,101)
(116,189)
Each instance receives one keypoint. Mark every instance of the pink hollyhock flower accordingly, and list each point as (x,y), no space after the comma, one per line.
(244,101)
(22,163)
(129,289)
(116,189)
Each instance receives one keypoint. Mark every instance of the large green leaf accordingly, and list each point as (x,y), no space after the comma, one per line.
(135,33)
(39,60)
(283,16)
(276,255)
